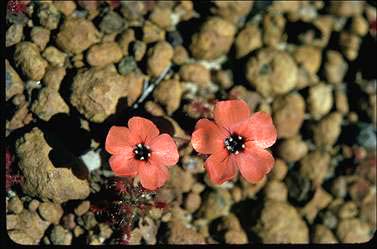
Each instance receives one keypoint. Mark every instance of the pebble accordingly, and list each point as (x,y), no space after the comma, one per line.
(335,67)
(315,166)
(125,40)
(178,233)
(105,230)
(300,189)
(15,205)
(339,187)
(353,231)
(161,17)
(236,193)
(216,204)
(359,25)
(341,102)
(82,208)
(235,237)
(33,205)
(60,236)
(112,22)
(104,53)
(273,27)
(279,171)
(54,56)
(276,190)
(349,44)
(348,210)
(138,50)
(320,200)
(159,58)
(288,114)
(68,221)
(13,35)
(54,77)
(309,57)
(248,40)
(320,100)
(49,15)
(13,83)
(327,131)
(49,103)
(50,212)
(66,7)
(169,93)
(196,73)
(28,58)
(180,56)
(232,11)
(192,202)
(292,149)
(323,235)
(11,220)
(152,33)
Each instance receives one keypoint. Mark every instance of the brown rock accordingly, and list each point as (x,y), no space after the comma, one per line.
(350,44)
(368,211)
(33,205)
(288,115)
(12,220)
(152,33)
(216,204)
(178,233)
(309,57)
(49,103)
(292,149)
(66,7)
(27,57)
(214,39)
(139,49)
(196,73)
(82,208)
(13,35)
(161,17)
(353,231)
(273,227)
(272,72)
(95,92)
(276,190)
(159,58)
(60,236)
(180,55)
(235,237)
(273,27)
(51,212)
(13,83)
(320,201)
(192,202)
(15,205)
(347,9)
(249,39)
(348,210)
(341,102)
(126,38)
(181,180)
(279,171)
(328,130)
(335,67)
(42,178)
(104,54)
(320,100)
(250,97)
(76,35)
(136,86)
(40,36)
(359,25)
(54,56)
(49,15)
(232,11)
(315,166)
(53,77)
(322,234)
(169,93)
(68,221)
(224,78)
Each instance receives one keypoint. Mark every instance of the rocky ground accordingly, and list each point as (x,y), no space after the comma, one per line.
(75,68)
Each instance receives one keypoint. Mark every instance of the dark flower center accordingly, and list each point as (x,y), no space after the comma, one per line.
(234,144)
(142,152)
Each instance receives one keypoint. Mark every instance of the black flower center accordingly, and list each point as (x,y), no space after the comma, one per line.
(142,152)
(234,144)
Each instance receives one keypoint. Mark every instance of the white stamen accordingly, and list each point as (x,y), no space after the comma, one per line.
(136,152)
(142,158)
(146,146)
(239,137)
(228,147)
(230,139)
(149,154)
(139,145)
(236,152)
(243,146)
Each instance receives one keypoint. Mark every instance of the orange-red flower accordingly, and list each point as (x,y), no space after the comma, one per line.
(140,150)
(236,140)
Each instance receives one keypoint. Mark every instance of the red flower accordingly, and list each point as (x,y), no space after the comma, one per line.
(140,150)
(235,140)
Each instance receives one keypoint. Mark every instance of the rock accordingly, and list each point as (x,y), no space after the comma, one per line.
(272,72)
(292,149)
(152,33)
(276,190)
(159,58)
(42,178)
(339,187)
(53,77)
(13,83)
(288,115)
(51,212)
(192,202)
(300,188)
(76,35)
(169,93)
(250,97)
(13,35)
(68,221)
(320,201)
(138,49)
(33,205)
(95,92)
(235,237)
(335,67)
(309,57)
(328,130)
(196,73)
(328,219)
(320,100)
(273,27)
(350,45)
(77,231)
(273,227)
(315,166)
(112,22)
(11,220)
(224,78)
(21,118)
(105,230)
(40,37)
(248,40)
(125,40)
(89,220)
(30,228)
(341,102)
(104,54)
(27,57)
(232,11)
(347,9)
(180,180)
(353,231)
(174,38)
(180,56)
(214,39)
(15,205)
(161,17)
(60,236)
(54,56)
(48,104)
(148,229)
(236,194)
(127,65)
(136,86)
(359,25)
(279,171)
(135,237)
(82,208)
(368,211)
(66,7)
(178,233)
(49,15)
(217,204)
(323,235)
(348,210)
(250,190)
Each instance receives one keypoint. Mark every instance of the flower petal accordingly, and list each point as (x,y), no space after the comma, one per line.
(208,137)
(263,131)
(230,112)
(117,139)
(152,175)
(124,164)
(221,167)
(254,163)
(143,129)
(164,150)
